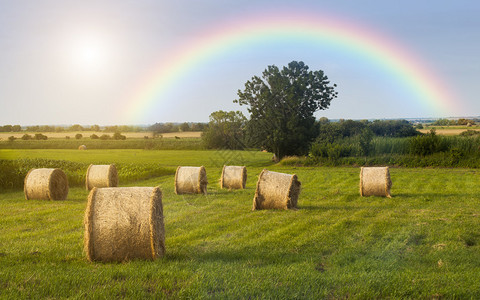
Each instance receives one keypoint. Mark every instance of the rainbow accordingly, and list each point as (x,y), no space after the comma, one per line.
(373,47)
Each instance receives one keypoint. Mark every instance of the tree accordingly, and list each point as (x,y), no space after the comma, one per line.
(365,141)
(76,127)
(6,128)
(225,130)
(162,128)
(282,105)
(393,128)
(184,127)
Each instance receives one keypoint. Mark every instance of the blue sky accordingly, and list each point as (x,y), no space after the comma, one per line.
(85,62)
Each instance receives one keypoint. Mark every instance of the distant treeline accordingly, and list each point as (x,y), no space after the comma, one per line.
(11,128)
(461,122)
(157,127)
(395,143)
(76,127)
(176,127)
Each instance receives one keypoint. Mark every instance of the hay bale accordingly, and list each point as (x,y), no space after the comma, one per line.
(191,180)
(375,181)
(82,147)
(233,177)
(101,176)
(124,223)
(276,190)
(45,184)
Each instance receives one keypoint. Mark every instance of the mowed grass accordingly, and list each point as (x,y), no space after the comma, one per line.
(422,243)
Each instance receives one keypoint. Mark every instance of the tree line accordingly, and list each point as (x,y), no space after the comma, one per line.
(157,127)
(459,122)
(176,127)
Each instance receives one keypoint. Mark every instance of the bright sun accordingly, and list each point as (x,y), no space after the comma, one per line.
(89,54)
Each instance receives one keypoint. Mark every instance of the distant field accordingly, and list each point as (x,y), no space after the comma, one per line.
(444,131)
(87,134)
(449,130)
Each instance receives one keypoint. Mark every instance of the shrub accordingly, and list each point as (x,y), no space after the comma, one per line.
(26,137)
(470,133)
(11,138)
(428,144)
(39,136)
(332,151)
(105,137)
(293,161)
(118,136)
(78,136)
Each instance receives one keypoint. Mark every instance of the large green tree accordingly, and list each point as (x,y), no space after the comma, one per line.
(282,104)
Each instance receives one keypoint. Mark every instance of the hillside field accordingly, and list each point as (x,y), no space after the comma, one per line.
(422,243)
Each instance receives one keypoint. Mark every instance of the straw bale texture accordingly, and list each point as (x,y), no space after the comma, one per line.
(233,177)
(124,223)
(82,147)
(46,183)
(101,176)
(191,180)
(276,190)
(375,181)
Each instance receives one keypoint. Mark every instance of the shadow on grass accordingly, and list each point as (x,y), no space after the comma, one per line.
(254,257)
(339,207)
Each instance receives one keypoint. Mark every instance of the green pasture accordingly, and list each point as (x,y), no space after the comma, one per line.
(422,243)
(131,143)
(166,158)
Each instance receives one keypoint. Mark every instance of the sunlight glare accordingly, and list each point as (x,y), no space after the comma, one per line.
(90,54)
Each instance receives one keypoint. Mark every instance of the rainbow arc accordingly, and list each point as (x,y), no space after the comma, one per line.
(382,51)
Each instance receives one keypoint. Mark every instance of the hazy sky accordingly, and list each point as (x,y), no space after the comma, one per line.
(147,61)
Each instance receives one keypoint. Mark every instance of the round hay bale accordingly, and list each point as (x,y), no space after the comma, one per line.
(124,223)
(233,177)
(191,180)
(375,181)
(46,183)
(276,190)
(101,176)
(82,147)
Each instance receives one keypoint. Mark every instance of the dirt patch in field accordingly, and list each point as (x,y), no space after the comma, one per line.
(452,131)
(449,130)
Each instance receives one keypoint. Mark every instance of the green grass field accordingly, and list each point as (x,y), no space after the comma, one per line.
(131,143)
(422,243)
